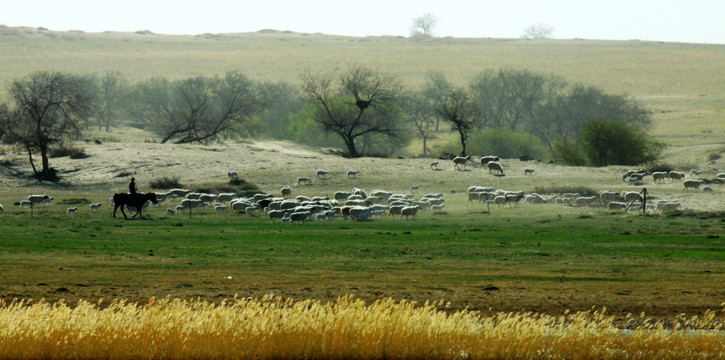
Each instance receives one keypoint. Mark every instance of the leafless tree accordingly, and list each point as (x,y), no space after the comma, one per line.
(458,109)
(419,111)
(111,90)
(45,109)
(423,25)
(196,109)
(511,98)
(537,31)
(354,103)
(435,88)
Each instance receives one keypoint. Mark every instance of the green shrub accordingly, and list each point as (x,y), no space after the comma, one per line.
(504,143)
(74,201)
(67,150)
(655,167)
(604,142)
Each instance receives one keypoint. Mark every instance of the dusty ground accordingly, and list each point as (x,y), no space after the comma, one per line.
(272,164)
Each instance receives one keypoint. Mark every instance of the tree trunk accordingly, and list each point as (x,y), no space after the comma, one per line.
(425,146)
(463,141)
(44,157)
(30,156)
(350,143)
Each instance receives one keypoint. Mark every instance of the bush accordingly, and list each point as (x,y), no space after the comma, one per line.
(74,201)
(604,142)
(581,190)
(504,143)
(243,184)
(166,183)
(660,167)
(68,150)
(714,156)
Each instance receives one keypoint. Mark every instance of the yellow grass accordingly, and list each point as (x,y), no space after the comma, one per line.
(274,328)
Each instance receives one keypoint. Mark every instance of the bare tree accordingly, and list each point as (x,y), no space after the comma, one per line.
(435,88)
(423,25)
(356,102)
(511,98)
(196,109)
(111,90)
(537,31)
(45,109)
(458,109)
(419,111)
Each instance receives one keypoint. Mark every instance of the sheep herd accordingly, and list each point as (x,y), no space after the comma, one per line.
(360,205)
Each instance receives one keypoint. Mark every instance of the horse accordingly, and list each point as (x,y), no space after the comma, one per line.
(135,200)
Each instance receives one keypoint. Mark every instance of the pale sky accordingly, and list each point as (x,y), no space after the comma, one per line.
(694,21)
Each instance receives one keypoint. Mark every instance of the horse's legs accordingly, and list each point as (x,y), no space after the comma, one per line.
(114,209)
(123,212)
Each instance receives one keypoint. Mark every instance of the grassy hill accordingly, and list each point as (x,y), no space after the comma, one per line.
(682,83)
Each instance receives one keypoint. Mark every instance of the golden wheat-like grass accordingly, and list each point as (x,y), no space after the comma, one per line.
(275,328)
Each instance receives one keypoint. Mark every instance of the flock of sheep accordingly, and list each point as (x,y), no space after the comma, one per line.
(358,205)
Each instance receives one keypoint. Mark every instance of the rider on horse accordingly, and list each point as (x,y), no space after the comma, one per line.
(132,186)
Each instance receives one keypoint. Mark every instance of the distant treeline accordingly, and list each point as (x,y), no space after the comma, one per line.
(361,110)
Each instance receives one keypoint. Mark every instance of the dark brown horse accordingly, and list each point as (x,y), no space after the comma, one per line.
(134,200)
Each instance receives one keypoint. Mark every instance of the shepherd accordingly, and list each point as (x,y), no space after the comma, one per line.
(135,200)
(132,186)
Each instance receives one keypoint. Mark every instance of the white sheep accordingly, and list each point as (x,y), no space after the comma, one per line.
(1,208)
(360,213)
(299,216)
(528,171)
(616,205)
(192,203)
(220,207)
(499,200)
(409,211)
(179,208)
(286,191)
(607,196)
(659,176)
(721,176)
(669,206)
(354,173)
(584,200)
(695,172)
(413,189)
(460,160)
(434,165)
(675,175)
(233,174)
(707,189)
(25,203)
(495,166)
(179,192)
(38,199)
(692,184)
(71,210)
(303,180)
(322,173)
(94,207)
(276,214)
(225,197)
(170,211)
(487,159)
(630,196)
(437,208)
